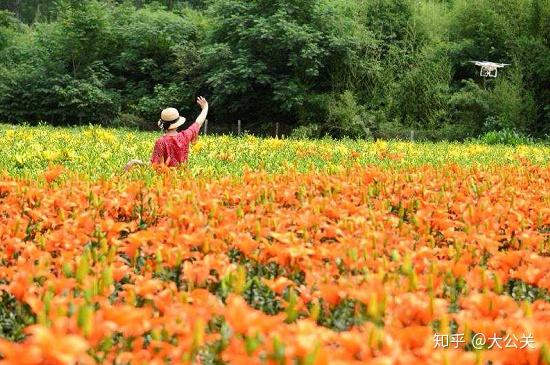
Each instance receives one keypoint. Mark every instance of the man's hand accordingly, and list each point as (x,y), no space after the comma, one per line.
(204,106)
(132,163)
(202,102)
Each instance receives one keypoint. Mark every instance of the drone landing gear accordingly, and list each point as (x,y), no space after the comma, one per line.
(485,72)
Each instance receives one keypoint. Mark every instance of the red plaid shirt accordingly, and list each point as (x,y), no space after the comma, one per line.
(174,150)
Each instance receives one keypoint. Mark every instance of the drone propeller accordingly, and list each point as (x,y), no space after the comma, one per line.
(489,64)
(489,69)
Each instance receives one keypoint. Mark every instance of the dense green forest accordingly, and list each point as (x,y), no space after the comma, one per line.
(343,67)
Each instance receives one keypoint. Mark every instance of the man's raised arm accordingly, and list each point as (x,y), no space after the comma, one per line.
(204,105)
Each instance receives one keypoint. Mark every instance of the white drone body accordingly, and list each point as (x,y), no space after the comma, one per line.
(489,69)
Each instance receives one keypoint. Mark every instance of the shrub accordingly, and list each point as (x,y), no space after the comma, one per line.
(506,137)
(96,62)
(352,68)
(512,107)
(419,98)
(470,107)
(346,117)
(309,131)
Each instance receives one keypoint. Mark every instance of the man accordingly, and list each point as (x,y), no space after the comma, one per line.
(172,149)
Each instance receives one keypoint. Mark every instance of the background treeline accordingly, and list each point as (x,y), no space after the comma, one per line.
(342,67)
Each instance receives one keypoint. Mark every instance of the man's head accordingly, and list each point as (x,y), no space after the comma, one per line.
(170,119)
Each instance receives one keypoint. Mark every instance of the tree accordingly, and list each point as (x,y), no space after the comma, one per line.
(267,60)
(29,11)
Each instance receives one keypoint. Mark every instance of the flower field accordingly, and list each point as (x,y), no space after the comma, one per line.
(272,252)
(96,152)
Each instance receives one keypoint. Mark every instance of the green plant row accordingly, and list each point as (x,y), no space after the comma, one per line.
(95,152)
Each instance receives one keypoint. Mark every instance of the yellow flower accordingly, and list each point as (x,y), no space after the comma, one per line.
(250,139)
(477,149)
(274,143)
(70,154)
(36,148)
(454,152)
(106,136)
(342,149)
(380,145)
(196,147)
(20,160)
(49,155)
(402,146)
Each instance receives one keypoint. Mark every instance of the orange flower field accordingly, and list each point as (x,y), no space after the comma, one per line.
(419,265)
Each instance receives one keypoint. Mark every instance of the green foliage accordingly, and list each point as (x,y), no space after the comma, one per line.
(344,315)
(310,131)
(453,288)
(156,59)
(522,291)
(96,62)
(14,317)
(56,75)
(470,106)
(512,32)
(9,29)
(389,19)
(512,107)
(480,30)
(346,117)
(259,296)
(101,153)
(506,137)
(266,60)
(420,98)
(337,67)
(30,11)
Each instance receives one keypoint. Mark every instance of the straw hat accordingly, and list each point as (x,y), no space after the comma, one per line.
(171,115)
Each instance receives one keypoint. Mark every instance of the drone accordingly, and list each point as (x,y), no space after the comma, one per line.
(489,69)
